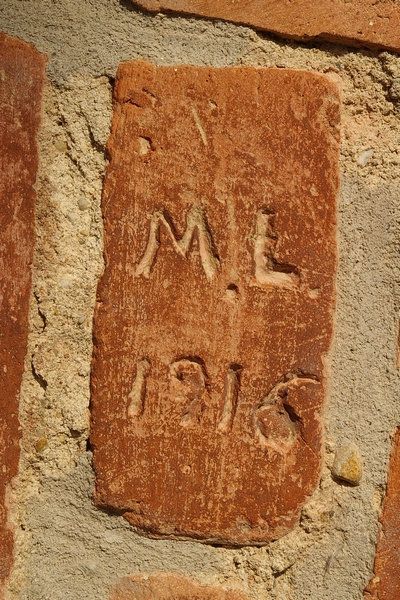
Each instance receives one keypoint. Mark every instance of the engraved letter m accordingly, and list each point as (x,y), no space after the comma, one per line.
(194,221)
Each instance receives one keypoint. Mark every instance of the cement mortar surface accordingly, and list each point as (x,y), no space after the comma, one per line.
(94,36)
(66,548)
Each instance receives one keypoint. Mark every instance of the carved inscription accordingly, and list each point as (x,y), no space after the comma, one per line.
(188,388)
(195,223)
(231,393)
(267,269)
(276,421)
(215,307)
(138,391)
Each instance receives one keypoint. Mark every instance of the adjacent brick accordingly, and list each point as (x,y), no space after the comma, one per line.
(215,310)
(385,585)
(371,23)
(21,81)
(165,586)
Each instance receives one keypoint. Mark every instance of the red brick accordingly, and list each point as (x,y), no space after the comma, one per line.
(208,377)
(166,586)
(371,23)
(385,584)
(22,76)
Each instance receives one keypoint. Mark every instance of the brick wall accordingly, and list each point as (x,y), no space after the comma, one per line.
(199,299)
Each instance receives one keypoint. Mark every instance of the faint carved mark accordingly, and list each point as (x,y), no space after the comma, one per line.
(232,293)
(275,421)
(267,270)
(188,386)
(231,393)
(140,98)
(138,391)
(195,222)
(200,126)
(145,146)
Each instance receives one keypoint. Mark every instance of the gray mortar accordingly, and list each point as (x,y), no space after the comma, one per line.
(94,36)
(65,547)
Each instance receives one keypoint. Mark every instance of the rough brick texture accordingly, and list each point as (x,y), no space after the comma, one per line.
(165,586)
(385,584)
(215,309)
(21,81)
(370,23)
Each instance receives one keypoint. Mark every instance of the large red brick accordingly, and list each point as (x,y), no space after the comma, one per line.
(371,23)
(385,584)
(215,309)
(167,586)
(21,80)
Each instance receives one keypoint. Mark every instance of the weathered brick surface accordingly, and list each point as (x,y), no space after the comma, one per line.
(166,586)
(372,23)
(208,378)
(385,584)
(21,81)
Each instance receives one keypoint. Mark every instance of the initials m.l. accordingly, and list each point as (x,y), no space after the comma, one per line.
(195,223)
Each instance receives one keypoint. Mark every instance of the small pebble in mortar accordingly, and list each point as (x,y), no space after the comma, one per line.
(60,145)
(71,218)
(347,465)
(65,283)
(83,204)
(364,157)
(41,444)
